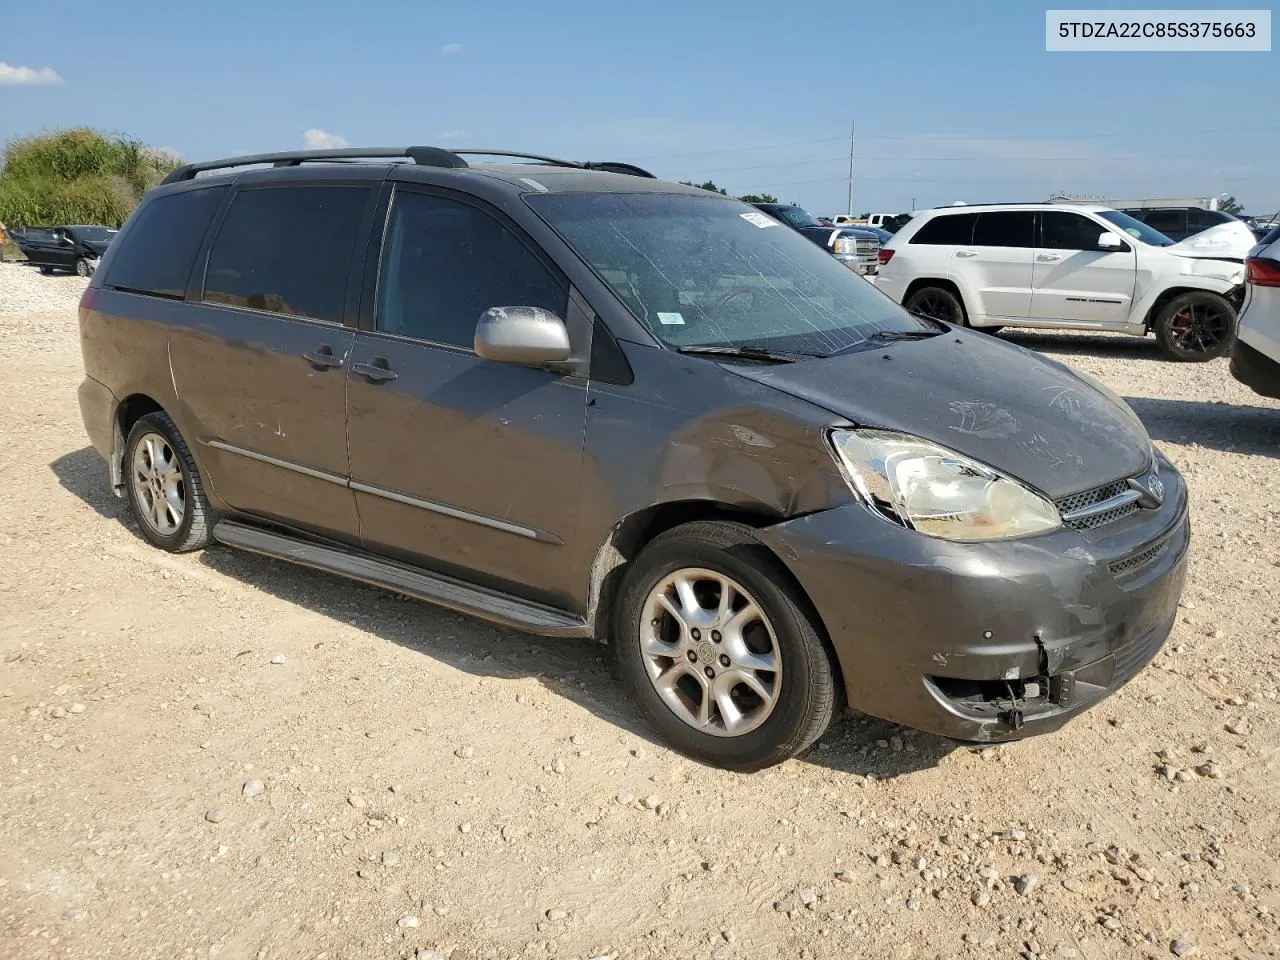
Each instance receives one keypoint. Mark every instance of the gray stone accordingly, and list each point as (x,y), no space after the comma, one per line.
(1025,883)
(465,752)
(390,858)
(278,659)
(557,913)
(254,788)
(1183,948)
(980,898)
(1239,726)
(216,815)
(407,923)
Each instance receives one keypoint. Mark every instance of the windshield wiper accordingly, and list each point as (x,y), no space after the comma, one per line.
(748,350)
(891,336)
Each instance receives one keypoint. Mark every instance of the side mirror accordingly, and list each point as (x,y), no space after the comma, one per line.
(1109,241)
(529,336)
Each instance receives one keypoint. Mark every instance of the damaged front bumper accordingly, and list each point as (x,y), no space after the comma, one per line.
(985,642)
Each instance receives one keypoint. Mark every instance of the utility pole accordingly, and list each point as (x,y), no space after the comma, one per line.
(853,129)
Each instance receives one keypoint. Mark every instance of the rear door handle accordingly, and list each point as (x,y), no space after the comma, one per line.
(966,253)
(377,371)
(323,357)
(1049,257)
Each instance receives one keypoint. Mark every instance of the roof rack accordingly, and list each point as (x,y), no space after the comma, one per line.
(421,156)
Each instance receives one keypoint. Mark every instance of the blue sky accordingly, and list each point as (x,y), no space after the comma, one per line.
(952,101)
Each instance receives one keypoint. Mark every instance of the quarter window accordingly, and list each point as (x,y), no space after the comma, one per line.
(287,250)
(160,248)
(444,263)
(948,228)
(1005,228)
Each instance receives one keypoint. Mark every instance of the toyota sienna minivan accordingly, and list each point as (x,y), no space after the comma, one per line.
(577,401)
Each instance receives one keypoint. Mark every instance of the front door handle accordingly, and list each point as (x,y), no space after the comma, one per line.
(323,357)
(1049,257)
(966,253)
(378,371)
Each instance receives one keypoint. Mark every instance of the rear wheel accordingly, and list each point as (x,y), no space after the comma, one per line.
(1196,326)
(164,487)
(719,650)
(937,303)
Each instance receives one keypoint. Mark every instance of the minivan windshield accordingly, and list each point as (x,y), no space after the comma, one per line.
(707,272)
(1136,228)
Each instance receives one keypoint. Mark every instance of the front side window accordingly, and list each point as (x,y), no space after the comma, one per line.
(287,250)
(1005,228)
(444,263)
(709,272)
(1068,231)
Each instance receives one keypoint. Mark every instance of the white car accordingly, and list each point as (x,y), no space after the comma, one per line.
(1255,358)
(1069,267)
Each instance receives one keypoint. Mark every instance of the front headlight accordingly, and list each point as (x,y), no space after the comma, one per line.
(845,246)
(936,491)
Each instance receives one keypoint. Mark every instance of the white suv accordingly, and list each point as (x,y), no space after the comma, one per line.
(1255,358)
(1058,266)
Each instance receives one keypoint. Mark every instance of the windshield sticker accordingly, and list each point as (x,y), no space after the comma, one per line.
(759,219)
(671,319)
(534,183)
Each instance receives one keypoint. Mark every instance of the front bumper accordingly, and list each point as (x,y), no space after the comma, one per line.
(995,641)
(864,266)
(1255,369)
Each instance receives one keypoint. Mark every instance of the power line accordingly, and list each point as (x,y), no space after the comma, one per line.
(1104,159)
(948,136)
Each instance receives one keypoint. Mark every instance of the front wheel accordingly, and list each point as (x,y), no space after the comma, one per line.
(46,270)
(1196,326)
(720,651)
(82,267)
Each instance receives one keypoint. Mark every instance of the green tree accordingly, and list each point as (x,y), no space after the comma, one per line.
(77,176)
(707,185)
(1231,205)
(758,198)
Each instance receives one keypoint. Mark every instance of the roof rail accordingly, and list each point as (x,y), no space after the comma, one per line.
(605,166)
(424,156)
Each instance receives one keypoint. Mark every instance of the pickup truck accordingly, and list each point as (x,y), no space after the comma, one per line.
(76,248)
(856,248)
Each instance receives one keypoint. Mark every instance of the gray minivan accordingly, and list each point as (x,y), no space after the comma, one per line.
(578,401)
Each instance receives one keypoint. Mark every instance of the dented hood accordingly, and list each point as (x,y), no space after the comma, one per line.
(1005,406)
(1231,241)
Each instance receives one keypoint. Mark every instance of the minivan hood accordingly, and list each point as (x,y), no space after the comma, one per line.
(998,403)
(1231,241)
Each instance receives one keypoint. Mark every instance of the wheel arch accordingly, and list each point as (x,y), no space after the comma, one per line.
(129,411)
(1232,293)
(945,283)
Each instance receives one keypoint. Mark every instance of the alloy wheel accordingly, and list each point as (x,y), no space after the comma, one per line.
(158,487)
(1199,328)
(710,652)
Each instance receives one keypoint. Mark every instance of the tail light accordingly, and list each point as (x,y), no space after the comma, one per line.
(884,256)
(1263,271)
(88,298)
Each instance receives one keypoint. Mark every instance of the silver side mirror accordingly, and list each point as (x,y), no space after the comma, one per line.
(1109,241)
(529,336)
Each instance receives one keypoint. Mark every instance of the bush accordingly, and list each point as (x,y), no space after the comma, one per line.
(77,176)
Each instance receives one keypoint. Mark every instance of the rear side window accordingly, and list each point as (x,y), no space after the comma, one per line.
(1068,231)
(444,263)
(949,228)
(287,250)
(1005,228)
(1204,219)
(1169,222)
(160,248)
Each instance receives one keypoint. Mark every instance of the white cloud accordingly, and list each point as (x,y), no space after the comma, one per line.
(26,76)
(452,49)
(453,135)
(318,139)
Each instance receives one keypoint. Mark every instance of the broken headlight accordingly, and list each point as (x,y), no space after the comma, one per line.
(936,491)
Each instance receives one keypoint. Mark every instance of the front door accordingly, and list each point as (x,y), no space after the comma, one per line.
(1075,280)
(997,264)
(259,362)
(461,464)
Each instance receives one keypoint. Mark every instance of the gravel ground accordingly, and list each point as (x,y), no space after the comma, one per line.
(218,754)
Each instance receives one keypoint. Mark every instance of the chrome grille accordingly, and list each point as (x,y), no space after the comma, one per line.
(1078,501)
(868,248)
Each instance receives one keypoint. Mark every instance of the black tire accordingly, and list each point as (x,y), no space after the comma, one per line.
(938,303)
(1196,326)
(808,693)
(193,530)
(81,267)
(46,270)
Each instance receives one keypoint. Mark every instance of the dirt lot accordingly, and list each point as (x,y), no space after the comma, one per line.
(218,754)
